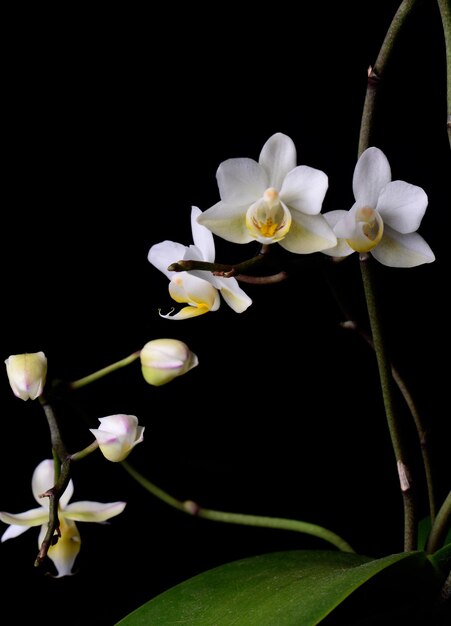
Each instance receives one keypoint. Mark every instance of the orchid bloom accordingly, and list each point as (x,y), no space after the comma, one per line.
(271,201)
(117,435)
(384,217)
(27,374)
(162,360)
(198,289)
(64,552)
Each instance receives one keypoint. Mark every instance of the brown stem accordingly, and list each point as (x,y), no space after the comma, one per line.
(54,494)
(262,280)
(220,269)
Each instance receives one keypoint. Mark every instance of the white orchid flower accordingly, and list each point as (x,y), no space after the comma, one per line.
(117,435)
(271,201)
(162,360)
(198,289)
(27,374)
(66,549)
(384,217)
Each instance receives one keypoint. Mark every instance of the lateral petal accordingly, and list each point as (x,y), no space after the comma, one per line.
(304,189)
(87,511)
(307,234)
(162,254)
(402,206)
(402,250)
(33,517)
(227,221)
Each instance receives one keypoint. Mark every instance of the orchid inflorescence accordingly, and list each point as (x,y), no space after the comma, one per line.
(268,201)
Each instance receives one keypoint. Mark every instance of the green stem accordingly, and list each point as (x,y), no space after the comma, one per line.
(191,508)
(375,73)
(81,454)
(440,526)
(445,13)
(386,380)
(423,439)
(421,429)
(76,384)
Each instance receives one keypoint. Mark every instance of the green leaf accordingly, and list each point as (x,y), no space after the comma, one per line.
(442,558)
(424,528)
(283,588)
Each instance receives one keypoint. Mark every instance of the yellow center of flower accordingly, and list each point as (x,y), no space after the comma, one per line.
(268,220)
(368,232)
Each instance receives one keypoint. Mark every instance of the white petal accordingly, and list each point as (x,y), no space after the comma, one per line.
(13,531)
(163,254)
(43,479)
(241,181)
(308,233)
(119,424)
(371,174)
(304,189)
(67,495)
(202,237)
(402,250)
(227,221)
(342,248)
(33,517)
(88,511)
(278,157)
(402,206)
(193,290)
(345,223)
(232,293)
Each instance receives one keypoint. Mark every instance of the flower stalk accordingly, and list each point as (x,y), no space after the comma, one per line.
(109,369)
(418,421)
(386,380)
(376,72)
(445,13)
(192,508)
(440,527)
(53,533)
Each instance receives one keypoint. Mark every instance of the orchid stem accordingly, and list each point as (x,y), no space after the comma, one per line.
(375,75)
(221,269)
(386,380)
(421,429)
(81,454)
(86,380)
(376,72)
(445,13)
(62,461)
(440,526)
(192,508)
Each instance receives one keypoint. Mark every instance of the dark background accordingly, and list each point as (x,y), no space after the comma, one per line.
(113,127)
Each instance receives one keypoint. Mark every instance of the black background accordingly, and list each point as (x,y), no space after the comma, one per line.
(113,127)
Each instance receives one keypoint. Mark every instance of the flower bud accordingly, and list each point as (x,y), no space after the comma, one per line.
(165,359)
(27,374)
(117,435)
